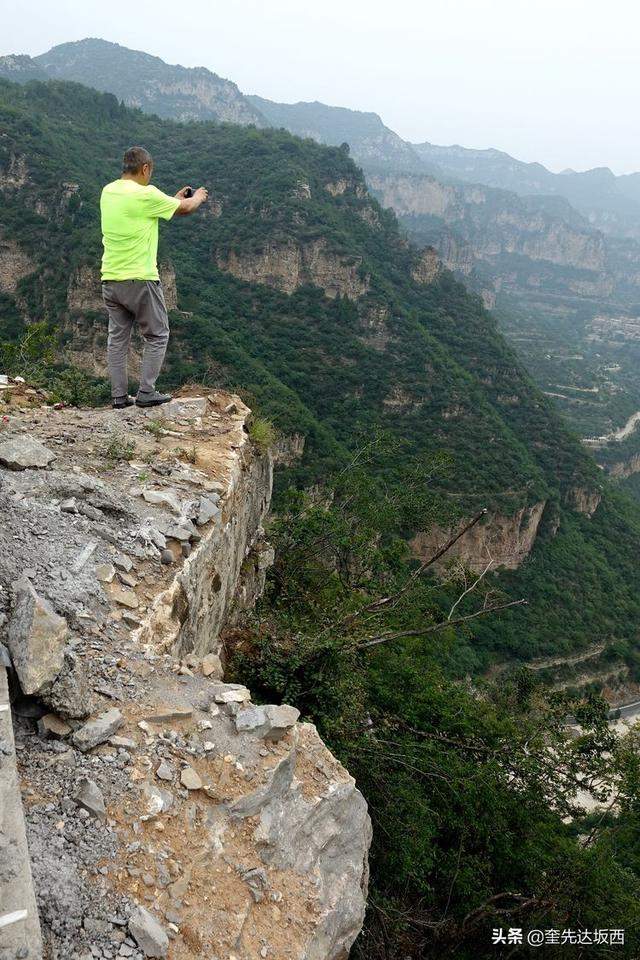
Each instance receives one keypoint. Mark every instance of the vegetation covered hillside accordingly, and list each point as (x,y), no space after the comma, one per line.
(298,289)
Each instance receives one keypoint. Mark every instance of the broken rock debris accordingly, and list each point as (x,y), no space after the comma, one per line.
(119,805)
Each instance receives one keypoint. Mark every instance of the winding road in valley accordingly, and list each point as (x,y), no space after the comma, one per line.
(617,435)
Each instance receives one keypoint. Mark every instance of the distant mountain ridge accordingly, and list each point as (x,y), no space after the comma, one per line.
(139,80)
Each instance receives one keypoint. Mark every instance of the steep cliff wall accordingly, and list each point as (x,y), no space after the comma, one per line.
(505,540)
(14,265)
(495,223)
(288,266)
(166,814)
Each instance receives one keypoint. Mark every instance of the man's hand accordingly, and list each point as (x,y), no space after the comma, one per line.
(191,204)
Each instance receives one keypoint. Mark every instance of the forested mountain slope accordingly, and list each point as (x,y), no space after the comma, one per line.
(298,289)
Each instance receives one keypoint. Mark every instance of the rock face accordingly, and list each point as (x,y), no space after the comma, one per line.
(495,223)
(140,80)
(428,266)
(583,500)
(506,540)
(225,571)
(36,638)
(288,267)
(14,265)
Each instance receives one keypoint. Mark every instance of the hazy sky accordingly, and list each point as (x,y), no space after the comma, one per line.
(549,80)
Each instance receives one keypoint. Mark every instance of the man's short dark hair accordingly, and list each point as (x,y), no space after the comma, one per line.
(134,159)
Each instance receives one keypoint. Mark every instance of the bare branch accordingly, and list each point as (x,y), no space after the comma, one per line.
(434,627)
(385,602)
(471,588)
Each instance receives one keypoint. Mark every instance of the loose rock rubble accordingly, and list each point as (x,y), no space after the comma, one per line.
(167,815)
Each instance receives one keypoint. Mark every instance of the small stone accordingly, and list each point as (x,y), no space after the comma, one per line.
(231,693)
(148,933)
(123,562)
(123,743)
(211,665)
(97,731)
(168,498)
(165,771)
(280,720)
(256,880)
(208,509)
(179,530)
(70,694)
(21,453)
(173,915)
(126,598)
(131,618)
(189,778)
(69,506)
(90,798)
(105,572)
(53,726)
(128,579)
(166,557)
(165,713)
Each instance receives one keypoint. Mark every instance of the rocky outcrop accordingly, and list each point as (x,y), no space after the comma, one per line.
(288,266)
(16,173)
(206,824)
(505,540)
(495,223)
(288,449)
(190,614)
(15,264)
(583,500)
(428,266)
(374,319)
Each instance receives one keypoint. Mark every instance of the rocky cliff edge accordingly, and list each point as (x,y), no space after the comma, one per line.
(166,814)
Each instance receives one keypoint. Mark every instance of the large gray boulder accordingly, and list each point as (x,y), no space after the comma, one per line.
(148,933)
(36,639)
(20,453)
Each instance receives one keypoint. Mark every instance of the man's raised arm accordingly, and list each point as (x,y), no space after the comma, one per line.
(190,204)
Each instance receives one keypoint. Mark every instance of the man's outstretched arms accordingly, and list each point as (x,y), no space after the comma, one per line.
(190,204)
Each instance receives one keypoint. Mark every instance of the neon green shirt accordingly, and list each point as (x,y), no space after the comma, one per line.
(129,214)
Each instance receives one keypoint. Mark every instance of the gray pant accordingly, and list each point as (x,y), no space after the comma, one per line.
(129,302)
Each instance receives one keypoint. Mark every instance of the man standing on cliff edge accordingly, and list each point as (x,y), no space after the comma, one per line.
(130,208)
